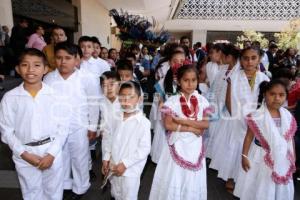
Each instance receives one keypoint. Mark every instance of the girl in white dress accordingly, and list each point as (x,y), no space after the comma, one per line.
(241,98)
(268,157)
(181,170)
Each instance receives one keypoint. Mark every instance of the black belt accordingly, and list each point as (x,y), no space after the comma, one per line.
(257,142)
(39,143)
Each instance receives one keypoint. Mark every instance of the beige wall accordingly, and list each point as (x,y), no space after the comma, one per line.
(6,17)
(93,21)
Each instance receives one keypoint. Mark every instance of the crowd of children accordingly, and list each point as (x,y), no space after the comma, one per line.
(221,107)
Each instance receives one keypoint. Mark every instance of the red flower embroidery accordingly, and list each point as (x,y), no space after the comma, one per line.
(189,112)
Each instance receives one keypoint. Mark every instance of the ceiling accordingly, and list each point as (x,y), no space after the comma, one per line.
(159,9)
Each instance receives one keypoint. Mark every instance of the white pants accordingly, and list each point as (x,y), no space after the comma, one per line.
(37,184)
(125,188)
(76,162)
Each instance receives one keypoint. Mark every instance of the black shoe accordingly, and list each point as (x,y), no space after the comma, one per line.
(93,176)
(67,194)
(75,196)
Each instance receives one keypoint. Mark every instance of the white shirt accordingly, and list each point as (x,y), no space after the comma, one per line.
(24,119)
(95,66)
(81,92)
(130,143)
(110,111)
(211,71)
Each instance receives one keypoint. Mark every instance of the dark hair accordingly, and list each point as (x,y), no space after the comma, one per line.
(70,48)
(266,86)
(198,44)
(85,39)
(273,46)
(57,28)
(104,48)
(168,82)
(110,50)
(36,27)
(32,52)
(109,75)
(283,73)
(124,64)
(258,51)
(132,85)
(255,43)
(230,49)
(130,55)
(23,21)
(183,38)
(133,47)
(96,40)
(218,47)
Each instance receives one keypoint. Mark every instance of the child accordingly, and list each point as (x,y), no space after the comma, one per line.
(215,64)
(203,85)
(125,70)
(109,105)
(129,145)
(34,127)
(90,64)
(181,169)
(81,93)
(159,140)
(240,99)
(268,152)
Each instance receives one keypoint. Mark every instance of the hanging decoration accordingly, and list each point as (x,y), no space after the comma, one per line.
(138,29)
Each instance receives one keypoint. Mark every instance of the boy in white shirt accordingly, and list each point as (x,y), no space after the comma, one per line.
(81,92)
(129,145)
(109,105)
(35,128)
(89,63)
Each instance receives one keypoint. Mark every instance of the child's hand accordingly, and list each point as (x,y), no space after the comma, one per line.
(119,169)
(46,162)
(92,135)
(105,167)
(32,159)
(245,164)
(178,120)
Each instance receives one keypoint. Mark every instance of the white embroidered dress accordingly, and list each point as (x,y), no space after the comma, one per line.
(181,170)
(273,162)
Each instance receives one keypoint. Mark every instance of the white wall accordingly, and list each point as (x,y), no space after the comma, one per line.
(199,36)
(93,21)
(6,16)
(226,25)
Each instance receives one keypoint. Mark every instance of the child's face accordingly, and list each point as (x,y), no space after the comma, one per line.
(128,98)
(87,49)
(275,97)
(215,55)
(97,50)
(188,82)
(125,75)
(113,54)
(65,62)
(110,88)
(250,60)
(145,51)
(32,69)
(59,36)
(177,59)
(104,54)
(132,60)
